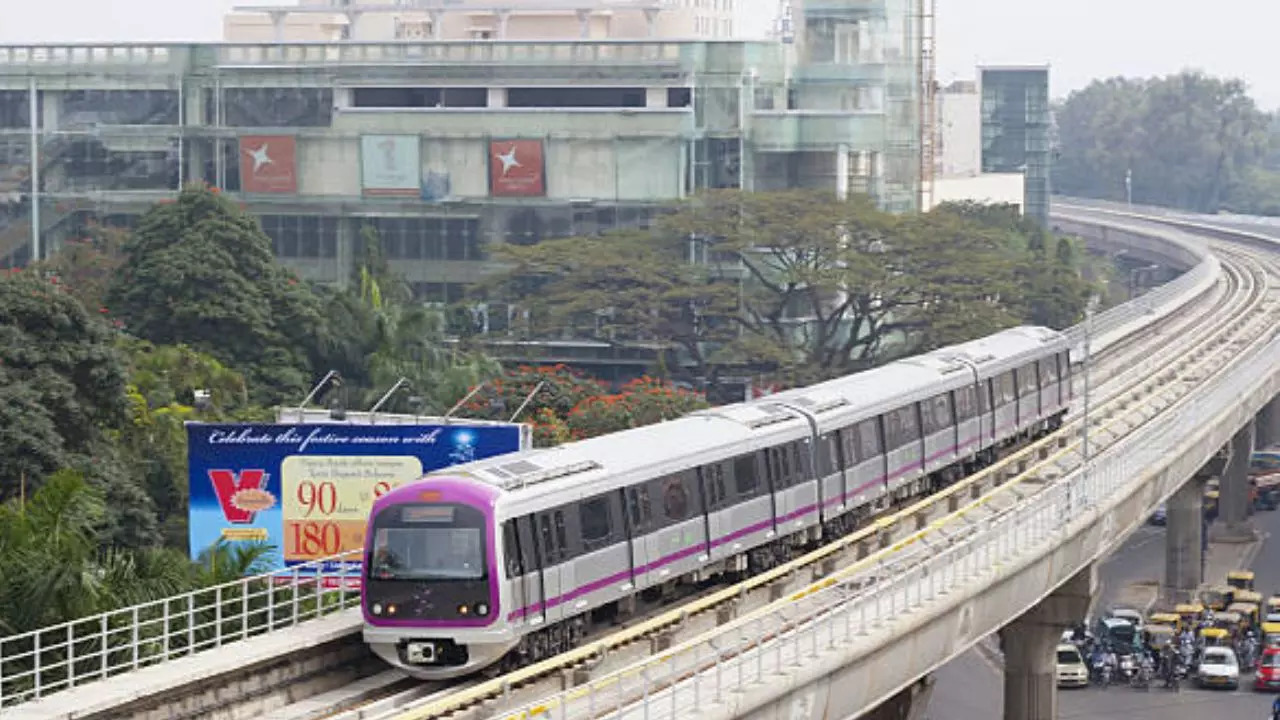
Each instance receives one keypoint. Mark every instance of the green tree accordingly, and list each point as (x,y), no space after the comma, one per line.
(61,381)
(52,568)
(1048,286)
(198,271)
(627,286)
(87,266)
(1191,141)
(163,383)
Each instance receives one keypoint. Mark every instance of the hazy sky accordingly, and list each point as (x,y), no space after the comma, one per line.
(1081,39)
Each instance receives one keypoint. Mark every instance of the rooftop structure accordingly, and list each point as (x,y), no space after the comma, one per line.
(325,21)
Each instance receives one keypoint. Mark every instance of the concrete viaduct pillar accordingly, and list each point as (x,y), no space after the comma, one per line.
(1233,497)
(1030,664)
(1184,541)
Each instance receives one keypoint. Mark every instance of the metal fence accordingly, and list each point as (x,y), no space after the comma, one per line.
(847,614)
(41,662)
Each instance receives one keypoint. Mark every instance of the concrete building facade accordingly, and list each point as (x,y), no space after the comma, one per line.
(448,146)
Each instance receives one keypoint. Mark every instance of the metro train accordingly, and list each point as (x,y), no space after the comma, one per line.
(508,560)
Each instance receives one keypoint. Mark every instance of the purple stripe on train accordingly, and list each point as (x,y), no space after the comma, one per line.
(626,575)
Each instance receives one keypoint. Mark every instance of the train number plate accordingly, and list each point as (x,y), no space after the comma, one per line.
(420,652)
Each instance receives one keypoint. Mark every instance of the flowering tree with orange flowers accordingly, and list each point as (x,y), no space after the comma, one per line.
(642,401)
(569,405)
(561,389)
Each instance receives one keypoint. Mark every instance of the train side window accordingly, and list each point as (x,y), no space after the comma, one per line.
(785,471)
(527,534)
(744,475)
(675,498)
(984,396)
(964,403)
(719,470)
(511,548)
(549,554)
(1008,389)
(562,539)
(803,460)
(829,454)
(908,427)
(1028,382)
(849,441)
(596,523)
(942,412)
(638,500)
(870,444)
(1048,371)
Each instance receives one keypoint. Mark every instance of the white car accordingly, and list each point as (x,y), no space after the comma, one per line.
(1132,616)
(1072,671)
(1218,668)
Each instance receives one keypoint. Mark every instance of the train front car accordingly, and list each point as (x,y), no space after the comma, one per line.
(431,595)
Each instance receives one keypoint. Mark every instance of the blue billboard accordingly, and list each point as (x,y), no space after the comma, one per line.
(307,488)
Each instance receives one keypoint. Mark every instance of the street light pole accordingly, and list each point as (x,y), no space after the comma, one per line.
(1128,186)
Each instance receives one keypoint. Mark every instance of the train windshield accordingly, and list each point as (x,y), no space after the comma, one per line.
(428,542)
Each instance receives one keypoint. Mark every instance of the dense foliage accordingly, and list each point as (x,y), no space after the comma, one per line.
(1189,141)
(796,283)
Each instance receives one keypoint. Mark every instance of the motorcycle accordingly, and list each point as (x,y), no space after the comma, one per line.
(1141,678)
(1127,667)
(1173,677)
(1102,674)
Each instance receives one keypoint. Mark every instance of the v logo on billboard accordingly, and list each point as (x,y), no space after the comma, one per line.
(227,483)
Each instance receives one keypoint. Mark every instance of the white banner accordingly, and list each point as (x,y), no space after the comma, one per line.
(390,165)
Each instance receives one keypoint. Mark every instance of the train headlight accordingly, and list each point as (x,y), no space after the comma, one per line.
(462,609)
(377,608)
(391,609)
(482,609)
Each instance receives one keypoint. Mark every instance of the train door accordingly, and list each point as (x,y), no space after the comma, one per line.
(714,499)
(524,576)
(551,561)
(565,526)
(535,596)
(640,518)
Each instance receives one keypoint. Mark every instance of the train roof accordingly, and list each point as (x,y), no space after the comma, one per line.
(715,434)
(604,462)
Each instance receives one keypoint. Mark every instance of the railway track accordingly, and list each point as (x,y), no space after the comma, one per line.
(1123,378)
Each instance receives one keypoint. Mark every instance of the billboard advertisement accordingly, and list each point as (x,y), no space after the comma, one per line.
(307,488)
(516,168)
(268,164)
(390,165)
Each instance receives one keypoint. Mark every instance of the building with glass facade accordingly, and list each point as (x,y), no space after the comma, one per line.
(447,147)
(1015,130)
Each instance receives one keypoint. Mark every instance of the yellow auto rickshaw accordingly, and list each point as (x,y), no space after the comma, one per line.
(1270,634)
(1160,635)
(1248,611)
(1248,596)
(1218,597)
(1212,636)
(1273,605)
(1241,579)
(1173,620)
(1189,612)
